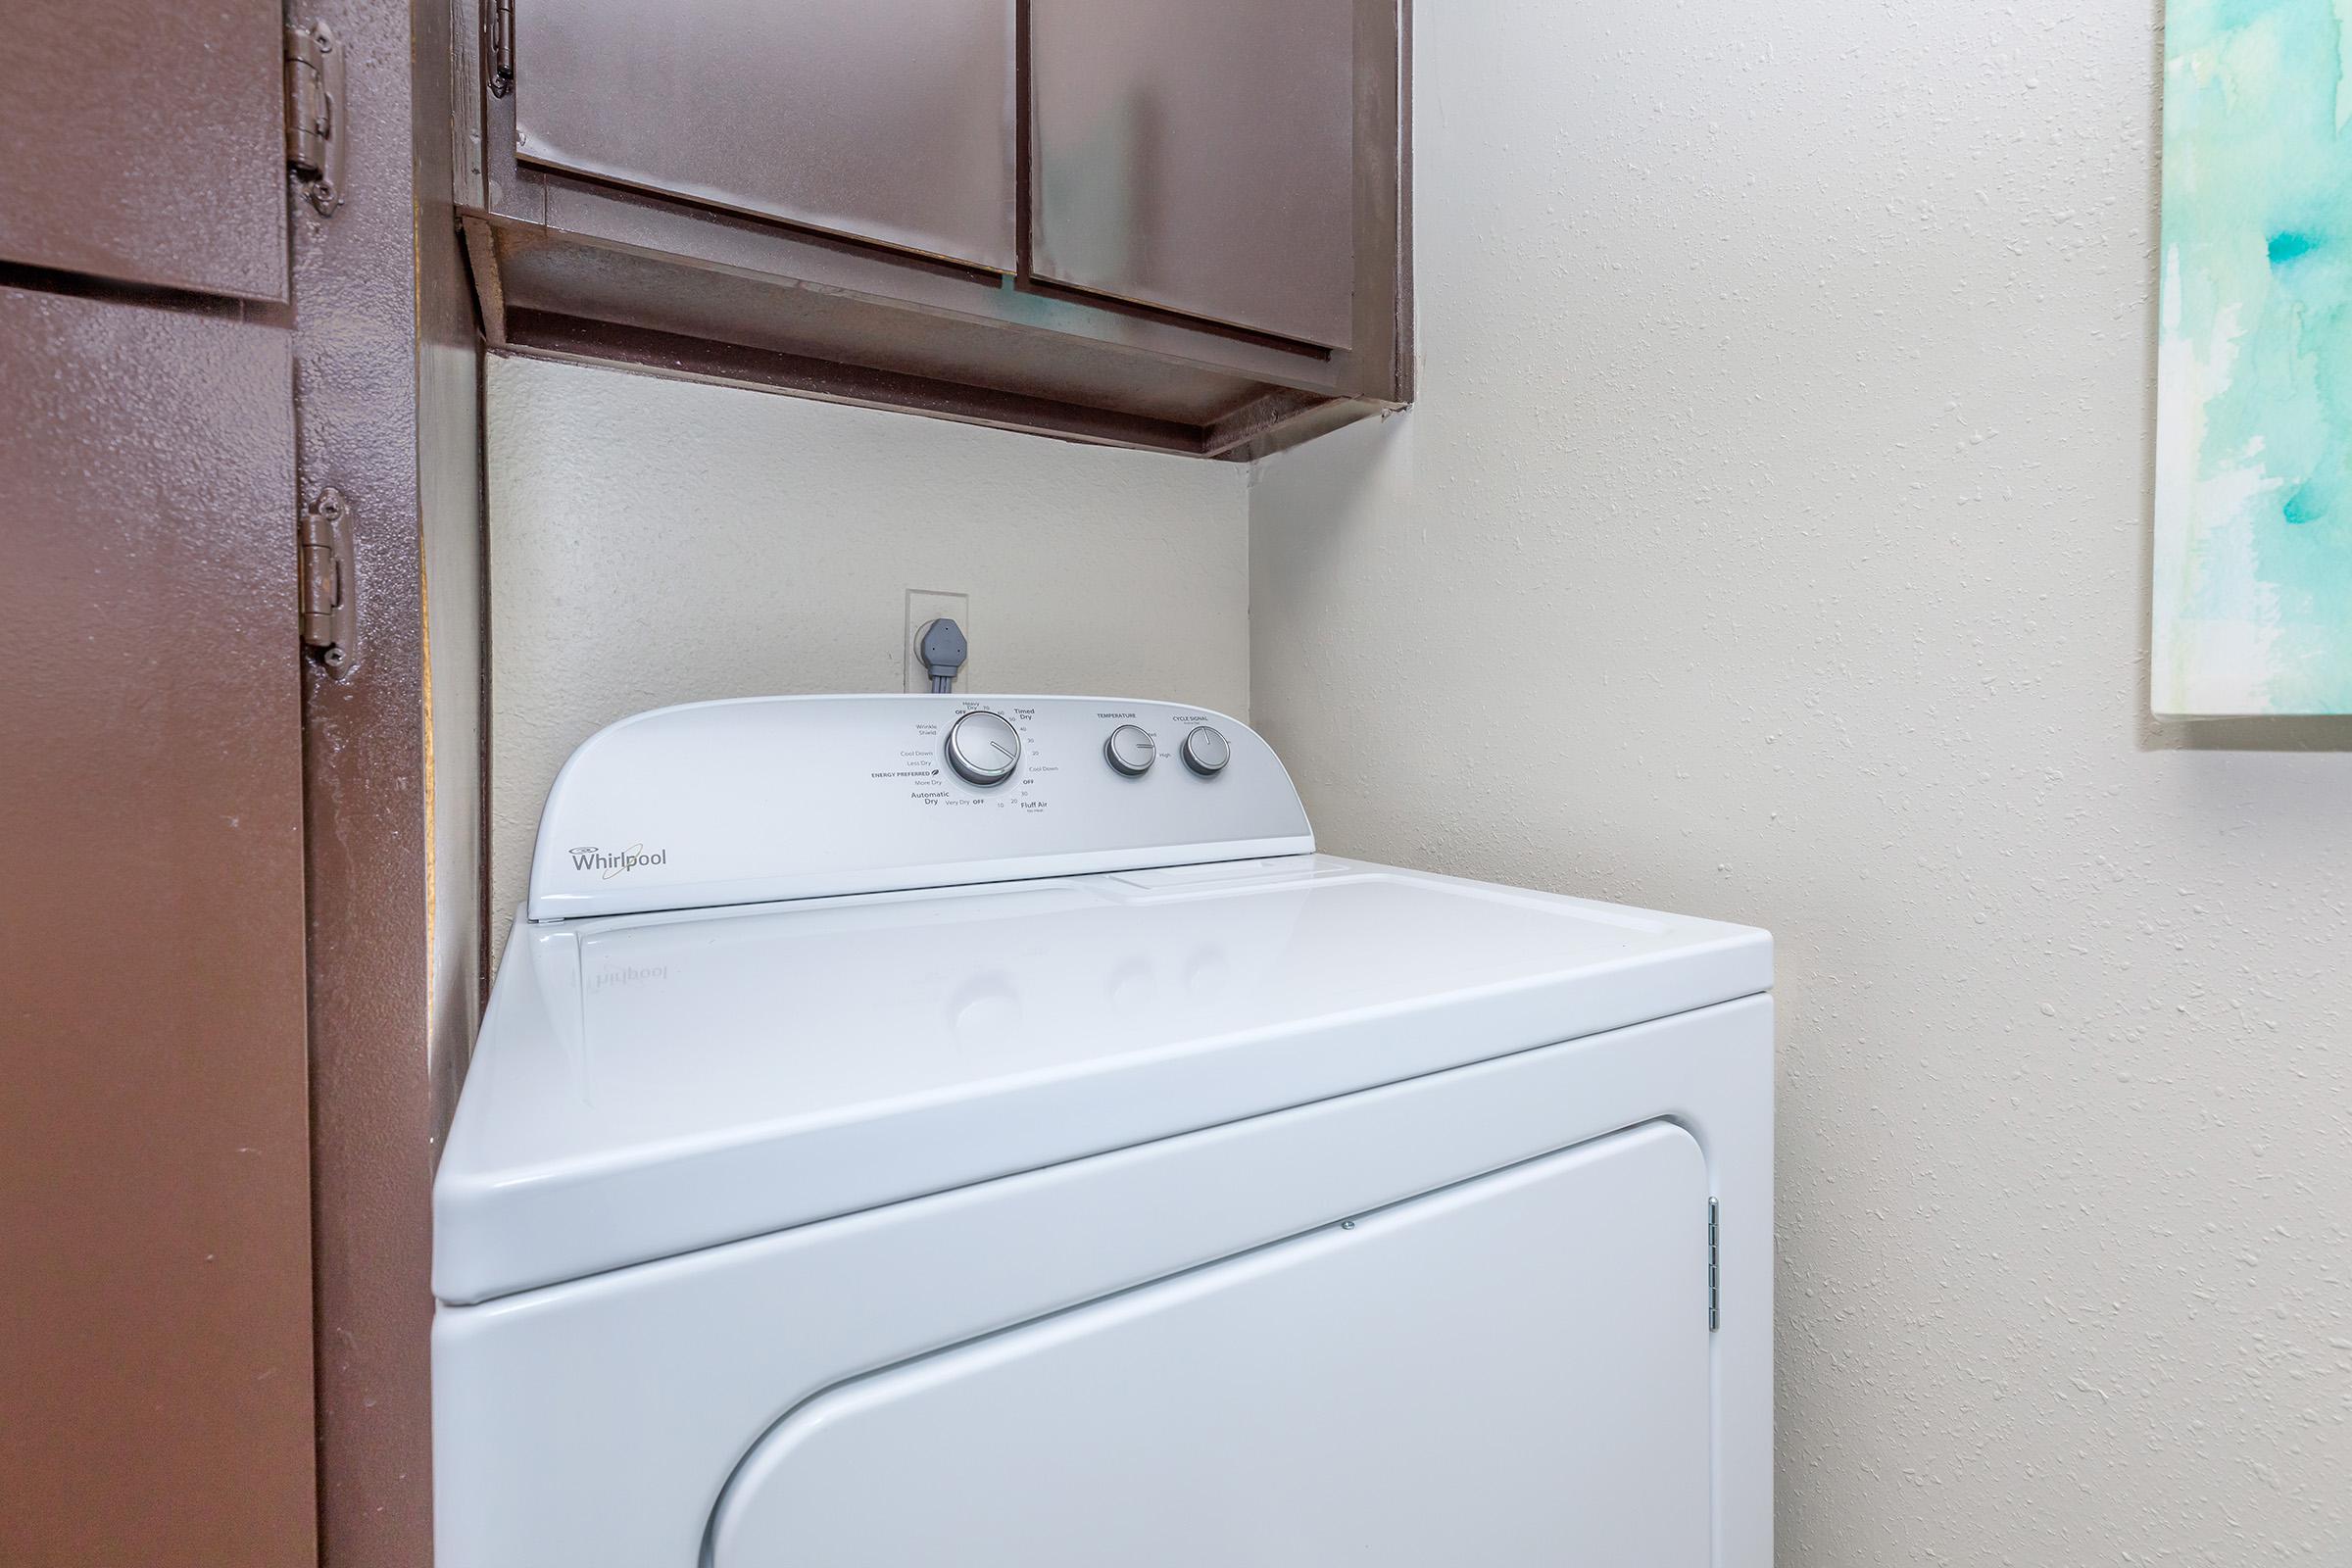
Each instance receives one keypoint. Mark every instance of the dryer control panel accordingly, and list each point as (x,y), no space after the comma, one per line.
(761,799)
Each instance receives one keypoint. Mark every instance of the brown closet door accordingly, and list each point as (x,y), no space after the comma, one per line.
(144,141)
(155,1285)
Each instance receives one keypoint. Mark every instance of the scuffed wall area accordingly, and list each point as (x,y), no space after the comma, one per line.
(1769,541)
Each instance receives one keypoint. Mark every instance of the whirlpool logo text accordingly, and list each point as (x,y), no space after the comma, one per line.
(613,862)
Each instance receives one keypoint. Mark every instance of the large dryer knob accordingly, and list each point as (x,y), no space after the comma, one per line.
(983,748)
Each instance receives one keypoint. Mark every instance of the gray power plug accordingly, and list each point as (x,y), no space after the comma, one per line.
(941,646)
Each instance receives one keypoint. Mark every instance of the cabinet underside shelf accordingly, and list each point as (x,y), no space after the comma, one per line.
(562,297)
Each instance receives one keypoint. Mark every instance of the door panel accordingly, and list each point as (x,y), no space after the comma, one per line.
(889,120)
(155,1364)
(144,141)
(1199,158)
(1510,1372)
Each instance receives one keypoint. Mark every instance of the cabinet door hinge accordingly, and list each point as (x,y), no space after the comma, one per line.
(1714,1265)
(314,103)
(328,612)
(502,47)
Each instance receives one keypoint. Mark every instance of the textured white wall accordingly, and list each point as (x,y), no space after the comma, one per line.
(1769,541)
(657,542)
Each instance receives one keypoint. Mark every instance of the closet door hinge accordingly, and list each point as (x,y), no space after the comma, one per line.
(315,104)
(502,47)
(328,610)
(1714,1265)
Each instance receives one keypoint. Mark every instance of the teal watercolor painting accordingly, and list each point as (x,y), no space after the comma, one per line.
(2253,579)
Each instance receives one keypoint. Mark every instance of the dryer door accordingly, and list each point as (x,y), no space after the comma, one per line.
(1511,1371)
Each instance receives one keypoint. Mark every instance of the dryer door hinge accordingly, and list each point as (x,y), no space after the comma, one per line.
(328,610)
(1714,1265)
(502,47)
(314,103)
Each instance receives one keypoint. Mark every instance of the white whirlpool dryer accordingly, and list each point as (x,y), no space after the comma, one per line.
(920,1133)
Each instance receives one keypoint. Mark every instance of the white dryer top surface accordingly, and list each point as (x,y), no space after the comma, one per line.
(650,1084)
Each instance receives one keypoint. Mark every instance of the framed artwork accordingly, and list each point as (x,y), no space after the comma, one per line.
(2253,578)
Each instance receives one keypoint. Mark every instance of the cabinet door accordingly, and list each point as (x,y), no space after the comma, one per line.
(1511,1372)
(145,142)
(1199,158)
(887,121)
(155,1218)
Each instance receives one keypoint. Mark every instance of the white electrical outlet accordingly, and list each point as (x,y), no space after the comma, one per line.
(928,605)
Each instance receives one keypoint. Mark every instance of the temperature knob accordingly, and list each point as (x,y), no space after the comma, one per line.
(1206,751)
(983,748)
(1131,750)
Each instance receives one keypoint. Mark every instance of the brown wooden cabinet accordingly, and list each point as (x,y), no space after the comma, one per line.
(1179,226)
(242,913)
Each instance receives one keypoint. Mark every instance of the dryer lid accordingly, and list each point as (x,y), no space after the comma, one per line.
(649,1085)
